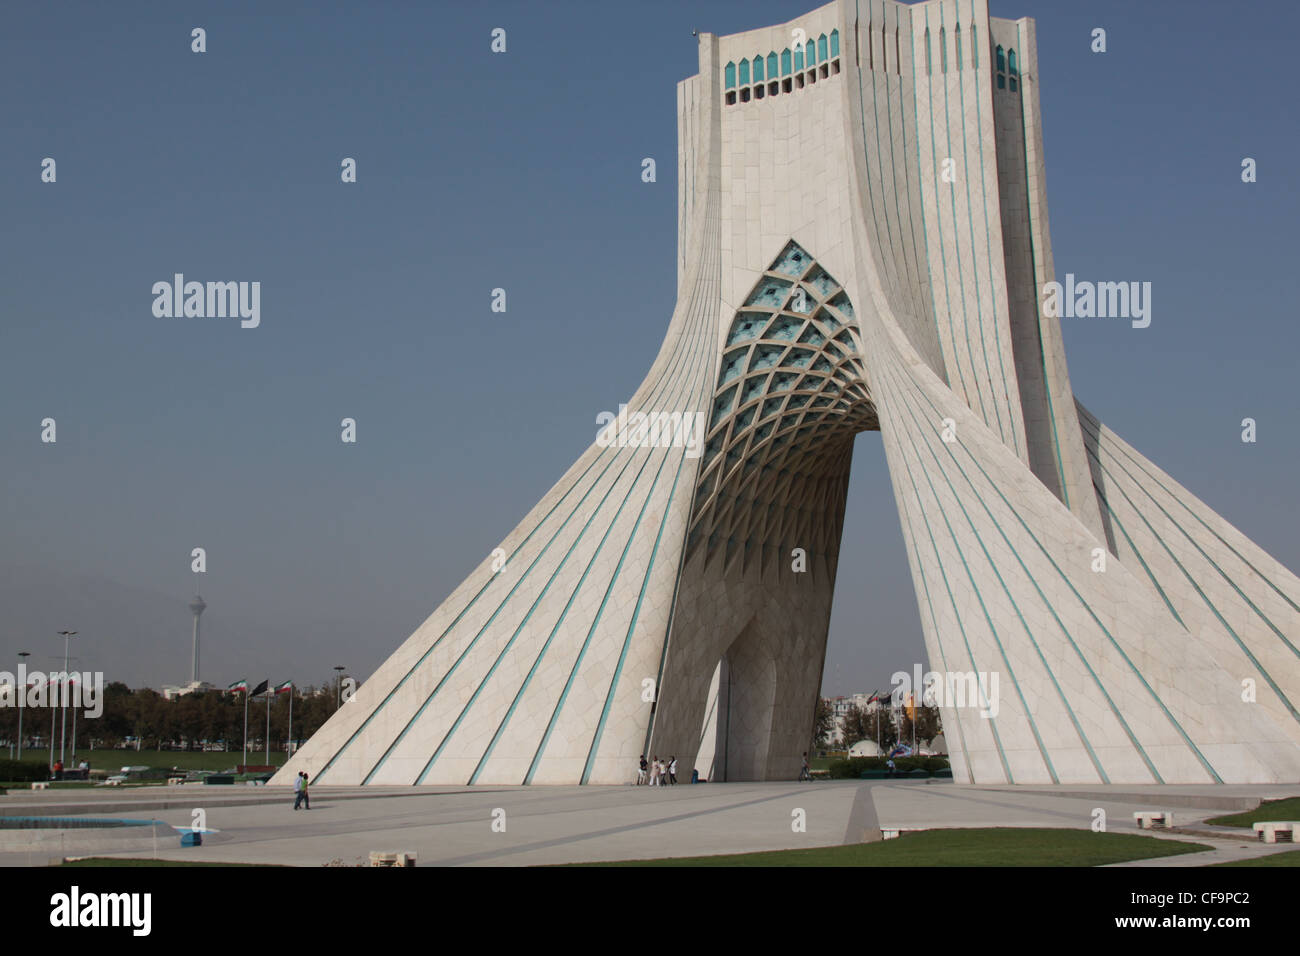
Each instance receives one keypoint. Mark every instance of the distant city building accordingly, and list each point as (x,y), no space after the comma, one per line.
(171,691)
(840,707)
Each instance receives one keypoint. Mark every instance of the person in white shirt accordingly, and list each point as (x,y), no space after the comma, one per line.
(654,772)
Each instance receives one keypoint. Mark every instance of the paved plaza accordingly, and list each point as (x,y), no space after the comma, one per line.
(454,826)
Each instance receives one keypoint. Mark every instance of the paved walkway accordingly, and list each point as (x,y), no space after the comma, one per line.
(454,826)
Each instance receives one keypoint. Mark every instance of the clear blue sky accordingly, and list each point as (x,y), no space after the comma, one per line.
(519,171)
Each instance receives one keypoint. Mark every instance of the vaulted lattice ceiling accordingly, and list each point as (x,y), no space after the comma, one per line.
(790,396)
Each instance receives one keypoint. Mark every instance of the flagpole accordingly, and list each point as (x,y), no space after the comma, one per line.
(245,726)
(268,727)
(74,729)
(288,745)
(49,686)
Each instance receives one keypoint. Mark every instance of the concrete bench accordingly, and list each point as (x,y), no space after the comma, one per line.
(382,858)
(1268,831)
(1152,819)
(43,785)
(893,833)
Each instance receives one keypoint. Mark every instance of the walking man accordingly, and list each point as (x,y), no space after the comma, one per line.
(640,774)
(804,773)
(672,770)
(297,791)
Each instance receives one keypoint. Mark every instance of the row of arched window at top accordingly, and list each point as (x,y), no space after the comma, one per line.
(1008,73)
(771,67)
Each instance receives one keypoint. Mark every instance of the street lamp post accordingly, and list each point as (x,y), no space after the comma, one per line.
(338,684)
(54,714)
(22,691)
(74,726)
(67,636)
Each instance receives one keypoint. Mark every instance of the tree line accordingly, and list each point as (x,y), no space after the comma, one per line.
(882,725)
(144,718)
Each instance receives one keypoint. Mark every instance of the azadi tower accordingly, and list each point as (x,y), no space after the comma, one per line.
(863,241)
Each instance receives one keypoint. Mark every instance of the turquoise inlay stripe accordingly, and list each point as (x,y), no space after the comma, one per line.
(961,626)
(631,628)
(1083,737)
(698,400)
(488,624)
(876,215)
(666,377)
(1114,517)
(1214,564)
(1118,445)
(1208,603)
(910,534)
(1083,603)
(956,245)
(988,241)
(681,563)
(909,266)
(573,594)
(928,288)
(1038,310)
(943,255)
(988,618)
(600,612)
(696,352)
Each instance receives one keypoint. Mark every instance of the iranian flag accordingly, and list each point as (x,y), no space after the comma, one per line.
(238,686)
(284,688)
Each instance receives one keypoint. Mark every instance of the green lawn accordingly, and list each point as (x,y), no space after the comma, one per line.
(1286,858)
(1288,809)
(115,760)
(100,861)
(977,847)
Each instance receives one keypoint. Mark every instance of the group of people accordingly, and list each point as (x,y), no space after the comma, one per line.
(300,791)
(657,772)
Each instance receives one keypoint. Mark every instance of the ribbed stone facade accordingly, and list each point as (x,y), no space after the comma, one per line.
(863,241)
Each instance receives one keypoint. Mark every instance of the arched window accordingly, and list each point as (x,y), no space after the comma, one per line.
(758,69)
(956,33)
(943,50)
(835,43)
(974,48)
(771,66)
(785,62)
(744,72)
(1001,60)
(798,58)
(821,48)
(730,75)
(927,51)
(1013,80)
(810,53)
